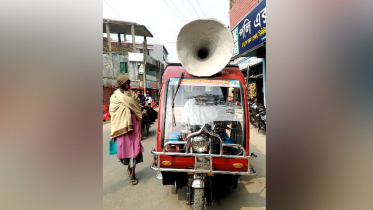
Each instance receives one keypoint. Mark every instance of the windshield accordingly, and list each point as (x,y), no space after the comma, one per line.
(199,102)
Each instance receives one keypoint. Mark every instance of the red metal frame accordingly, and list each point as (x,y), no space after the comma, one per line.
(232,73)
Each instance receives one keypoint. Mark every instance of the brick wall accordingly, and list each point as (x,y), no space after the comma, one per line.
(239,10)
(107,92)
(117,48)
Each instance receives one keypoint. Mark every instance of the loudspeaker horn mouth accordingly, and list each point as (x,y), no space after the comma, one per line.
(204,47)
(203,53)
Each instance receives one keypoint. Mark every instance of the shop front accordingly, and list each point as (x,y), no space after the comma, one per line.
(249,37)
(152,90)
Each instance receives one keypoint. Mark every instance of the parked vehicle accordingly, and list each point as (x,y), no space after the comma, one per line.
(106,114)
(153,115)
(149,115)
(213,153)
(257,114)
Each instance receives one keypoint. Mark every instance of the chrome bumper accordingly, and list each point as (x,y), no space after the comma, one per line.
(189,153)
(250,169)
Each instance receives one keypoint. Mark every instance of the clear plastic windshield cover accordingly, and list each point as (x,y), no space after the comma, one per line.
(218,103)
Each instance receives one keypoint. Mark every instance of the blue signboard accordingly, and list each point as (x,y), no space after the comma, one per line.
(151,84)
(251,31)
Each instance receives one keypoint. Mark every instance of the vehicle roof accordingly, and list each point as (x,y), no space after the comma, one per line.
(229,72)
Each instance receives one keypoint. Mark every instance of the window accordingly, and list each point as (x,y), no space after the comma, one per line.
(216,102)
(123,67)
(142,51)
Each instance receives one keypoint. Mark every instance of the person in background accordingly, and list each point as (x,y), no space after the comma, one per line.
(149,99)
(140,98)
(126,119)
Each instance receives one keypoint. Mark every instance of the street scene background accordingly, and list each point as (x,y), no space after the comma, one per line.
(139,41)
(149,193)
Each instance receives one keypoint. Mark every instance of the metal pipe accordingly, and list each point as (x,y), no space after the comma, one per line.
(172,142)
(236,145)
(203,171)
(200,155)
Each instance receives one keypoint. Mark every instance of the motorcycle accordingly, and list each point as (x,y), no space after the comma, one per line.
(202,157)
(149,115)
(153,115)
(145,122)
(257,114)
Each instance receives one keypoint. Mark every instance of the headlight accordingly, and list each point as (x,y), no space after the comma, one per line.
(200,144)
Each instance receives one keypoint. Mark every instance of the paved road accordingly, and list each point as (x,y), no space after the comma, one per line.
(149,193)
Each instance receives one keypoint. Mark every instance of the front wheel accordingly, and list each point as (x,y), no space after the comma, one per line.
(198,198)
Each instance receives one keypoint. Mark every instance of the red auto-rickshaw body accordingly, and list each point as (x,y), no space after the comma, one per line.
(229,72)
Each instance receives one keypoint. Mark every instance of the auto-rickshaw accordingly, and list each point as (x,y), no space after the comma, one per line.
(203,126)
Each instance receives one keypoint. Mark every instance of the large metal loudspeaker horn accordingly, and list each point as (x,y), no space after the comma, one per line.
(204,47)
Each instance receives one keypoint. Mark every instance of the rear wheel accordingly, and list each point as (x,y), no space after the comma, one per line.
(252,119)
(198,199)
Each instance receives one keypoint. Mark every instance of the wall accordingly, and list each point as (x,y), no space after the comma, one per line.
(133,72)
(107,92)
(239,10)
(158,52)
(108,77)
(117,48)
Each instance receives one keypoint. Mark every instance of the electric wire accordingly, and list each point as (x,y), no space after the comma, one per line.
(181,20)
(201,7)
(194,9)
(189,12)
(113,10)
(179,12)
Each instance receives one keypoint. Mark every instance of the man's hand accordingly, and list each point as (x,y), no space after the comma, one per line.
(184,135)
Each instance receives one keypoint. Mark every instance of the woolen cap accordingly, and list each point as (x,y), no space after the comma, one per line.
(122,79)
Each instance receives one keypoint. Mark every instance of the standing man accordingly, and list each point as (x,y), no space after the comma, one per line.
(140,98)
(126,126)
(149,99)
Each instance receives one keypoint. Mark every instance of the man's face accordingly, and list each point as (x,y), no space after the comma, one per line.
(139,93)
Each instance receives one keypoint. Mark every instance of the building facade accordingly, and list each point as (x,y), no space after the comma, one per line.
(127,58)
(156,51)
(248,27)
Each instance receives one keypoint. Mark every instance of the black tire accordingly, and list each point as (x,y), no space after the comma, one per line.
(252,119)
(262,125)
(198,199)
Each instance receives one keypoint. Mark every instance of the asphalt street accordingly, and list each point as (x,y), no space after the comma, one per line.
(149,193)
